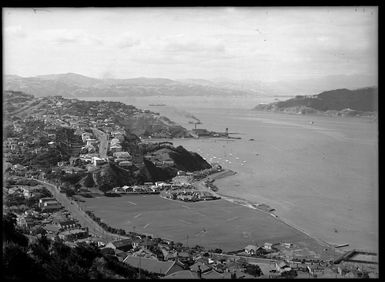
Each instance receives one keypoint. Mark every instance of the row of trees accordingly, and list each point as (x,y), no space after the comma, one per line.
(105,226)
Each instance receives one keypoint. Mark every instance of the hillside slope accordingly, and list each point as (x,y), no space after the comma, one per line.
(355,102)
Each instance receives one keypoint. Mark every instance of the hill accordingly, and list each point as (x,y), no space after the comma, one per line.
(340,102)
(72,85)
(139,122)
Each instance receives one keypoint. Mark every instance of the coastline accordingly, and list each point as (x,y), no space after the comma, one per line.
(254,205)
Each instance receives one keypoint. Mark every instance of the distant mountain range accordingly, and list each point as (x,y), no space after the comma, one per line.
(339,102)
(72,85)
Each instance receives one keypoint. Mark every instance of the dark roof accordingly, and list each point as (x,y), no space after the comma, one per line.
(204,267)
(183,274)
(67,222)
(151,265)
(122,243)
(212,274)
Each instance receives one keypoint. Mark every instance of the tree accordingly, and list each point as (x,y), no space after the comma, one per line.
(70,192)
(104,187)
(89,181)
(253,269)
(15,257)
(10,233)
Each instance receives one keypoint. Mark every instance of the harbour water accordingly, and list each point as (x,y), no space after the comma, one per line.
(319,173)
(321,177)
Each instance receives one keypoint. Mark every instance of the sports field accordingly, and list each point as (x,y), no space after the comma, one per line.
(213,224)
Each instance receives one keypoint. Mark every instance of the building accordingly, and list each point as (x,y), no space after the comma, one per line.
(267,246)
(47,204)
(153,265)
(67,224)
(97,161)
(86,136)
(122,245)
(91,141)
(74,234)
(122,155)
(183,274)
(251,249)
(116,148)
(282,266)
(50,206)
(125,163)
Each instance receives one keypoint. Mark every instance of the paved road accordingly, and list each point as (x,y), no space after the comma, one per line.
(79,214)
(103,145)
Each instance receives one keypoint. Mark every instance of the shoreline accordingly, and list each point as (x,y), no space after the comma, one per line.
(252,205)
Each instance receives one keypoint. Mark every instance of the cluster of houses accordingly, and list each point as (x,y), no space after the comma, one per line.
(136,189)
(123,159)
(188,195)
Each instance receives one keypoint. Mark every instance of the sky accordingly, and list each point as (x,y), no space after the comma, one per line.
(241,43)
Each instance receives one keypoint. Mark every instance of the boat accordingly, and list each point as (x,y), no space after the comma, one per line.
(157,105)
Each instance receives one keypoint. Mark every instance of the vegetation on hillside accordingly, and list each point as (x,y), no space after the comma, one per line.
(359,100)
(44,259)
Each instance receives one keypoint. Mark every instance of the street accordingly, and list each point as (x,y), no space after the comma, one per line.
(79,214)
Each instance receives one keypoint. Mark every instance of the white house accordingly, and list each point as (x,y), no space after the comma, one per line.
(91,141)
(97,161)
(251,249)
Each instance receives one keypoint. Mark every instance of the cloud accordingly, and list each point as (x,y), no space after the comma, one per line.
(15,31)
(127,41)
(69,36)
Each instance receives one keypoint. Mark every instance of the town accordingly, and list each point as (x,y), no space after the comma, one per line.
(64,149)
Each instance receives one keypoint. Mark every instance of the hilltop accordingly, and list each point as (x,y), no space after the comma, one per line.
(143,123)
(344,102)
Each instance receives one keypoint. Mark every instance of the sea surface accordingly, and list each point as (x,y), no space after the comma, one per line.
(319,173)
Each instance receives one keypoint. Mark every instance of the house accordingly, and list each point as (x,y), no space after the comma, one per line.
(122,245)
(184,257)
(125,163)
(91,141)
(51,144)
(51,205)
(86,136)
(287,245)
(122,155)
(52,136)
(43,200)
(118,135)
(251,249)
(183,274)
(114,141)
(204,267)
(116,148)
(212,274)
(97,161)
(282,266)
(67,224)
(267,246)
(143,252)
(153,265)
(19,167)
(72,235)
